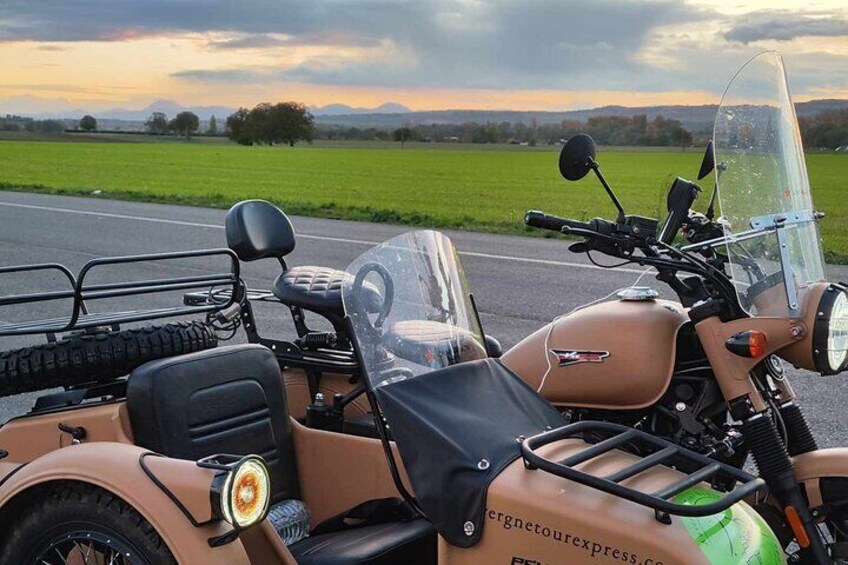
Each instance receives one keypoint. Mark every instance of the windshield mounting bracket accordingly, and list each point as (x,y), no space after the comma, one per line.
(786,267)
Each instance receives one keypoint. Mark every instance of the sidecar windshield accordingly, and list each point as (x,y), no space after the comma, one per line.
(772,236)
(410,308)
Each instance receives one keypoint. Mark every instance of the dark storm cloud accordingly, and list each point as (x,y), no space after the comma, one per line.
(784,26)
(514,44)
(106,20)
(496,43)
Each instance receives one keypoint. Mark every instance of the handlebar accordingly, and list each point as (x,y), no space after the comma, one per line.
(537,219)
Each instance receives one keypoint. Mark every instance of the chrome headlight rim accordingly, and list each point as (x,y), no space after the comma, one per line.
(834,298)
(222,491)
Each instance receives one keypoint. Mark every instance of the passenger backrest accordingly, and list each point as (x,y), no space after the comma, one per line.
(257,229)
(225,400)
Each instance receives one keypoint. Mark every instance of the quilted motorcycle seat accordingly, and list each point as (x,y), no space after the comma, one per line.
(426,342)
(318,289)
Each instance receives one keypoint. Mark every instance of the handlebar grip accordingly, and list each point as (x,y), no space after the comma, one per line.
(537,219)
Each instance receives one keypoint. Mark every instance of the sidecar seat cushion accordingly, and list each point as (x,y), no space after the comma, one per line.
(257,229)
(410,543)
(225,400)
(318,289)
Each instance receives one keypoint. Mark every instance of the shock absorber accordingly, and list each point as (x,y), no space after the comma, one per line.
(799,436)
(777,470)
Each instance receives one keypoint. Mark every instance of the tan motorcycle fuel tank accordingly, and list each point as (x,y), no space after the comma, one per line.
(614,355)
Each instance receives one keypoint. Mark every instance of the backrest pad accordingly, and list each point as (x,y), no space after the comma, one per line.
(225,400)
(257,229)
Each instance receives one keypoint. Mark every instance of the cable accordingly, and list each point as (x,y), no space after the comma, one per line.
(224,330)
(577,309)
(595,263)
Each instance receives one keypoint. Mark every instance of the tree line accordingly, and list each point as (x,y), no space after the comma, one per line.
(291,122)
(606,130)
(30,125)
(827,130)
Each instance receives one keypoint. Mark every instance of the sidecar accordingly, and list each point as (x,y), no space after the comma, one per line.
(162,447)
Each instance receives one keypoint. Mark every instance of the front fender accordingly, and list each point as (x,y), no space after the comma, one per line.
(811,467)
(116,467)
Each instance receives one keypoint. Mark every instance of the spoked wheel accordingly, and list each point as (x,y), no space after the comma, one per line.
(78,524)
(87,547)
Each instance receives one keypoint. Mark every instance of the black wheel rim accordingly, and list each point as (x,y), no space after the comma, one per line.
(86,548)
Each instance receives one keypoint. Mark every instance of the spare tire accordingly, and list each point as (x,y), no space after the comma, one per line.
(90,358)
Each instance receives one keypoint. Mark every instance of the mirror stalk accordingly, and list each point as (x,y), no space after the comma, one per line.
(719,169)
(711,208)
(597,168)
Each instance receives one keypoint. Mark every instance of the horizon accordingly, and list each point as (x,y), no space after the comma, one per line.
(536,56)
(340,110)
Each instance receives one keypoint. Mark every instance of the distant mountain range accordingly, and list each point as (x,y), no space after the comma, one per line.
(697,119)
(172,108)
(345,110)
(169,107)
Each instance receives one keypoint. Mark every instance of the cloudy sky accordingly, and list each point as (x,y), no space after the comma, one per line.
(426,54)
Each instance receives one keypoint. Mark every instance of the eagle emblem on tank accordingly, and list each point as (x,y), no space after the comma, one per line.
(567,357)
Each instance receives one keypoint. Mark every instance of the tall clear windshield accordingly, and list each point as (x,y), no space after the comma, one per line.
(774,245)
(410,308)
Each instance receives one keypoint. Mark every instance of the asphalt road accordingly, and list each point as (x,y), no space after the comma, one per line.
(520,283)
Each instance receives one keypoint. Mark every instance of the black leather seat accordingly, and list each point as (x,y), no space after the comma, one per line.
(232,400)
(426,341)
(411,543)
(312,288)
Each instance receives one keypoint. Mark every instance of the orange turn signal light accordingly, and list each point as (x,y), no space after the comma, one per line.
(751,343)
(797,526)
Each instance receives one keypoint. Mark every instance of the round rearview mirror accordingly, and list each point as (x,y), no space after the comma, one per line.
(577,157)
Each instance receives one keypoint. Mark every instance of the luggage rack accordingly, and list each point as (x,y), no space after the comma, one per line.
(80,292)
(663,452)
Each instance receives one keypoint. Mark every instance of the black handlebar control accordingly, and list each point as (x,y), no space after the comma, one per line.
(537,219)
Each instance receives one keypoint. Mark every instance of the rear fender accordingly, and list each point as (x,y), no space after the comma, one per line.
(171,494)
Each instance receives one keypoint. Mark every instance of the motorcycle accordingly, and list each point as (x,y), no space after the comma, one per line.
(699,379)
(562,450)
(706,372)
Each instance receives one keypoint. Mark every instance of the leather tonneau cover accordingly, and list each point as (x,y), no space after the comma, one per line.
(446,422)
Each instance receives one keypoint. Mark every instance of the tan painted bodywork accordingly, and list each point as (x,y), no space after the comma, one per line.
(297,393)
(732,371)
(556,504)
(115,467)
(29,438)
(800,354)
(33,440)
(810,467)
(639,336)
(263,545)
(336,471)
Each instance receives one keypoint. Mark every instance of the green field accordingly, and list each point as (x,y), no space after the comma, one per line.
(422,185)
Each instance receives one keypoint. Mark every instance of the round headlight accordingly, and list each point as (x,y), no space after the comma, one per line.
(246,493)
(830,334)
